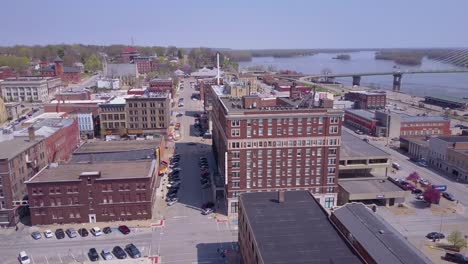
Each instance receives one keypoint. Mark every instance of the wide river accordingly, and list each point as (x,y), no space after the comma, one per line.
(449,84)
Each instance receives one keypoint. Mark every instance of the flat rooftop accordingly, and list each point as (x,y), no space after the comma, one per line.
(369,186)
(369,92)
(11,148)
(417,140)
(414,119)
(448,99)
(454,139)
(353,147)
(382,242)
(362,113)
(295,231)
(108,170)
(117,146)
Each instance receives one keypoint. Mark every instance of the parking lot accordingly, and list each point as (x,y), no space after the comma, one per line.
(186,235)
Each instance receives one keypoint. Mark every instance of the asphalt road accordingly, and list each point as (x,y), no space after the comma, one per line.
(187,236)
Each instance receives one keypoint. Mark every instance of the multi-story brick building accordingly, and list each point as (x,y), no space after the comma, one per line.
(367,99)
(30,88)
(142,115)
(159,85)
(93,192)
(3,112)
(56,69)
(143,64)
(61,137)
(128,54)
(148,114)
(20,159)
(278,143)
(447,154)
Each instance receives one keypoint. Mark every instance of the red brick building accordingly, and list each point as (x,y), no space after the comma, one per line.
(128,54)
(93,192)
(269,144)
(67,74)
(6,72)
(425,126)
(144,64)
(367,99)
(363,120)
(158,85)
(20,159)
(70,95)
(74,106)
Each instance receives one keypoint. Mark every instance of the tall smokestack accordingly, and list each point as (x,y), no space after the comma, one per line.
(217,60)
(31,133)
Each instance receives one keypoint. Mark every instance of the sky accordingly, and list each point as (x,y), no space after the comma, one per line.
(238,24)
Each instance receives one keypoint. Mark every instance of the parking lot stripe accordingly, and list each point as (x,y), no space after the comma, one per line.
(46,259)
(60,257)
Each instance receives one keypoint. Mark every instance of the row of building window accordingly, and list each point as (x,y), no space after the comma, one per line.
(285,143)
(236,132)
(420,132)
(414,124)
(283,182)
(285,121)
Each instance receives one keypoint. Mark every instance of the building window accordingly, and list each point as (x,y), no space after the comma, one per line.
(234,207)
(235,123)
(332,161)
(333,130)
(331,170)
(235,184)
(235,175)
(235,132)
(329,202)
(236,154)
(330,180)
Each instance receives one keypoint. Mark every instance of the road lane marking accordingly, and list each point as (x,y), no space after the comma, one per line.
(60,258)
(46,259)
(180,216)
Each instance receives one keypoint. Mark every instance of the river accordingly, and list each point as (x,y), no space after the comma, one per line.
(448,84)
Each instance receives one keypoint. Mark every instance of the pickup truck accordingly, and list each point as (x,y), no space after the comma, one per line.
(456,258)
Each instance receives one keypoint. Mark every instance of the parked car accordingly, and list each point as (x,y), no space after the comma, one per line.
(93,254)
(83,232)
(48,233)
(172,202)
(71,232)
(422,163)
(119,252)
(207,205)
(207,211)
(124,229)
(59,234)
(96,231)
(23,258)
(420,197)
(106,254)
(132,251)
(424,182)
(107,230)
(408,187)
(435,235)
(448,196)
(456,258)
(36,235)
(396,166)
(175,184)
(416,191)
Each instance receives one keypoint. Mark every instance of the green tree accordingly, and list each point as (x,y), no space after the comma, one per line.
(179,54)
(16,63)
(457,239)
(93,63)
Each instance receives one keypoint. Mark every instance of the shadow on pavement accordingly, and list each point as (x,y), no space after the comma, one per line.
(224,252)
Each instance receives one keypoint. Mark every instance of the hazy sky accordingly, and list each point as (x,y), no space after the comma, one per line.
(238,23)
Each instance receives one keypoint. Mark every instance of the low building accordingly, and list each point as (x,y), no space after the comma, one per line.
(13,110)
(378,191)
(439,148)
(108,83)
(457,163)
(289,227)
(417,147)
(93,192)
(383,123)
(206,73)
(129,54)
(113,117)
(3,112)
(359,159)
(73,95)
(374,239)
(21,89)
(74,106)
(20,159)
(446,101)
(367,99)
(126,73)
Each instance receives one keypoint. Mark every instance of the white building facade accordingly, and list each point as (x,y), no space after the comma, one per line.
(30,89)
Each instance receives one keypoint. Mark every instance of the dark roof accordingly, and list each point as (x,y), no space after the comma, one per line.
(107,170)
(71,69)
(294,231)
(454,139)
(140,154)
(58,59)
(117,146)
(12,148)
(48,68)
(381,241)
(353,147)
